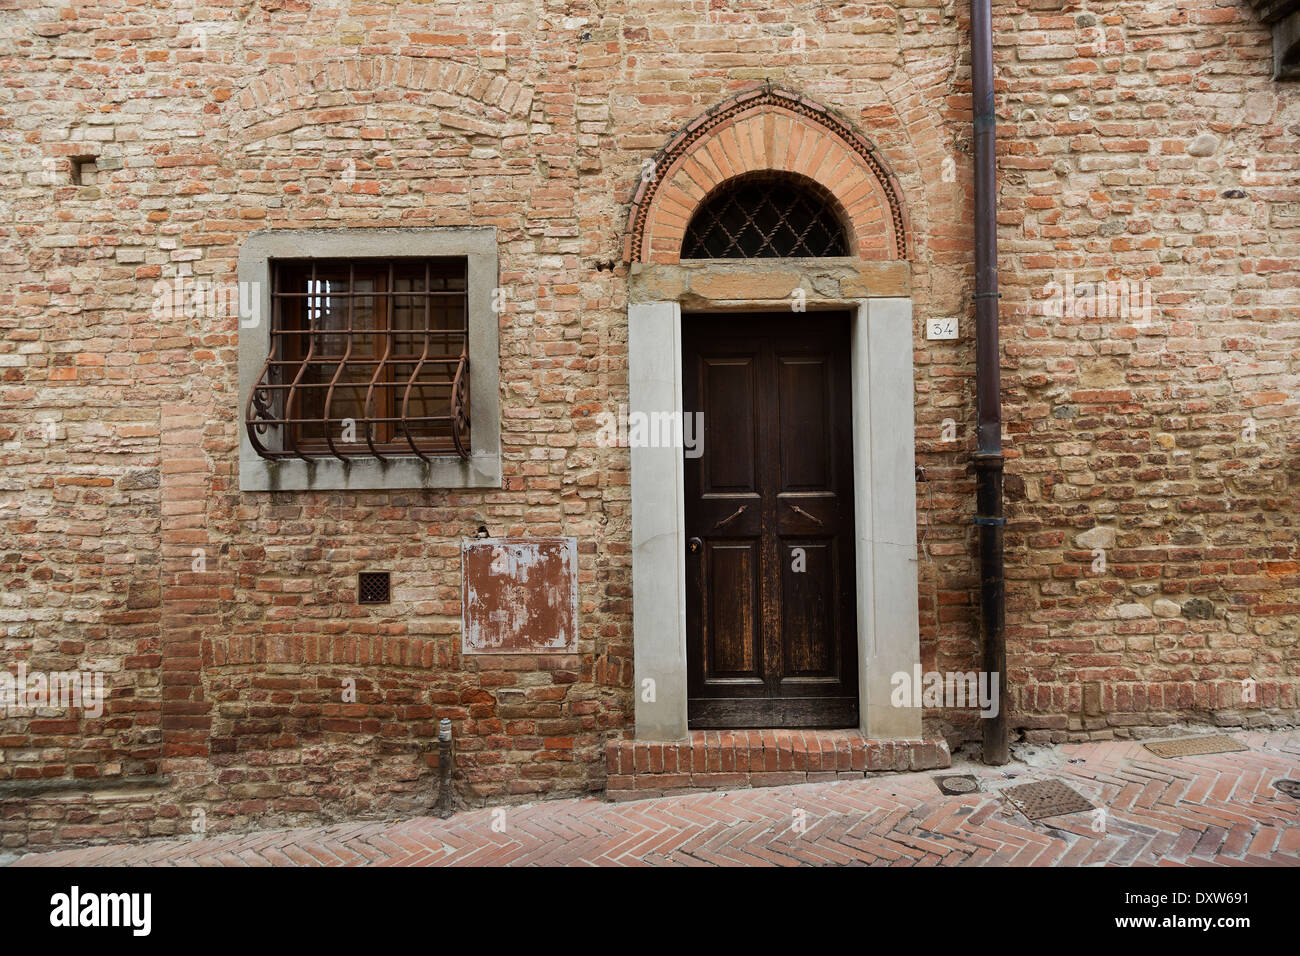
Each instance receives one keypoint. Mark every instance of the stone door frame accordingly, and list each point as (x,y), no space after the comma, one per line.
(878,297)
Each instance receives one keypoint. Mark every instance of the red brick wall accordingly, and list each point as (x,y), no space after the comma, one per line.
(233,673)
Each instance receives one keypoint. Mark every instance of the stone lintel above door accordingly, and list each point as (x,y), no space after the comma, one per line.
(720,284)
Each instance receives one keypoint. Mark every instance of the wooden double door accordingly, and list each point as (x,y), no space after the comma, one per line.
(771,614)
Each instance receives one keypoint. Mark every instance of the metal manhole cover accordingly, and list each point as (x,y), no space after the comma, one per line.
(956,784)
(1193,746)
(1290,787)
(1045,798)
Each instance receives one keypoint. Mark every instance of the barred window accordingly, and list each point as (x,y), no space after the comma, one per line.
(368,358)
(766,215)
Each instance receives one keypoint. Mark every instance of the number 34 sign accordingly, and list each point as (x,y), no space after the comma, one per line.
(941,328)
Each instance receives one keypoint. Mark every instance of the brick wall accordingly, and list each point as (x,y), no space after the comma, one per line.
(1121,129)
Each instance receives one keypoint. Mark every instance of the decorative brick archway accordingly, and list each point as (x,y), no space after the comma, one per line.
(766,130)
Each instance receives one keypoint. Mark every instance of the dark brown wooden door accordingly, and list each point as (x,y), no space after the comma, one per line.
(770,614)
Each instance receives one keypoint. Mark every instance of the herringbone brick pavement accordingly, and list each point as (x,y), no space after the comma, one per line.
(1219,809)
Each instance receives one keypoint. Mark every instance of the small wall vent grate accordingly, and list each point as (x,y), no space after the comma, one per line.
(374,587)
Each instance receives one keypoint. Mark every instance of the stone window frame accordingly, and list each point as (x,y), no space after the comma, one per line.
(478,247)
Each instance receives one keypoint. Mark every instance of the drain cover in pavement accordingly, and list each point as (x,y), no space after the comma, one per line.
(957,784)
(1045,798)
(1290,787)
(1192,746)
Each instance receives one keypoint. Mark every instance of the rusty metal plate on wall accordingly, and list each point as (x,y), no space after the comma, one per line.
(519,595)
(1194,746)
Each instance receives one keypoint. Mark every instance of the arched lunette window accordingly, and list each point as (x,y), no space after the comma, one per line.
(766,216)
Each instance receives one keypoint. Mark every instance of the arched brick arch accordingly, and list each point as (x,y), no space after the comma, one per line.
(281,100)
(768,129)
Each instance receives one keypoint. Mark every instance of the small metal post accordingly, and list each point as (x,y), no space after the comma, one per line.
(445,805)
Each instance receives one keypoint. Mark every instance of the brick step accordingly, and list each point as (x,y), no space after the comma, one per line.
(731,759)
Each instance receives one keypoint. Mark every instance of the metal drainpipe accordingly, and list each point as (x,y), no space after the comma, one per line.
(988,386)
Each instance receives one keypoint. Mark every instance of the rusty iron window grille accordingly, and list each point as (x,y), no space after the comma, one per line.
(368,359)
(764,217)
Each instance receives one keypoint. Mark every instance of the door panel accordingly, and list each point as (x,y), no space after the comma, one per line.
(771,617)
(729,394)
(808,609)
(803,426)
(732,612)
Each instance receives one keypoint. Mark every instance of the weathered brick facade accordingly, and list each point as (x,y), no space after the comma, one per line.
(1139,142)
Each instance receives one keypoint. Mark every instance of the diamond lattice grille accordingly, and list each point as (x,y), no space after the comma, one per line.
(764,219)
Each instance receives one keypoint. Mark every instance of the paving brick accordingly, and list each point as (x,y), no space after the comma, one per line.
(883,821)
